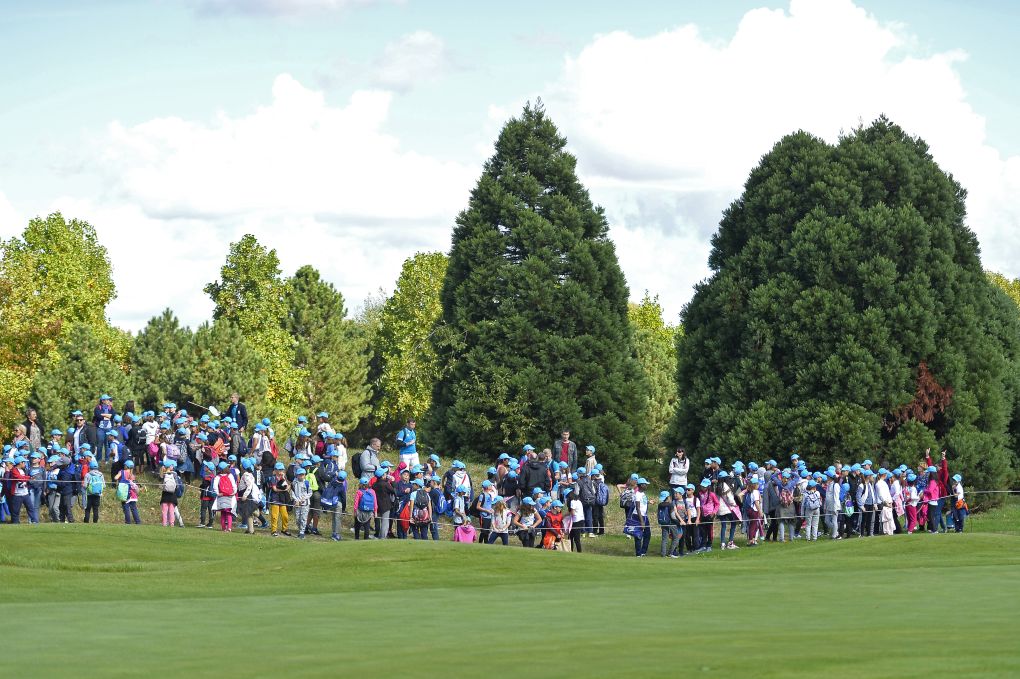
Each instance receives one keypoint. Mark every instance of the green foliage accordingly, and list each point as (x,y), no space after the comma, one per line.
(75,375)
(655,346)
(223,362)
(1011,286)
(251,295)
(409,366)
(838,274)
(54,276)
(330,352)
(162,360)
(535,309)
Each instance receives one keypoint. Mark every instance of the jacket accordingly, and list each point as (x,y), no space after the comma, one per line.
(300,492)
(557,451)
(383,494)
(535,474)
(369,461)
(585,490)
(238,412)
(678,470)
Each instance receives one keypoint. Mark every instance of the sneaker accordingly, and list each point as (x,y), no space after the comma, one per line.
(707,549)
(733,546)
(275,534)
(201,525)
(301,536)
(287,533)
(674,556)
(335,538)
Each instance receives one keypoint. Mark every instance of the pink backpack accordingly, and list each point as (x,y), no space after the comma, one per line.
(464,533)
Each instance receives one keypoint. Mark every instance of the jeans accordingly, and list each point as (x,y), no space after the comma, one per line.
(493,536)
(245,509)
(434,528)
(37,500)
(484,525)
(587,528)
(336,518)
(382,525)
(360,527)
(958,518)
(941,516)
(301,518)
(933,518)
(575,538)
(92,506)
(773,530)
(727,520)
(420,531)
(206,513)
(53,503)
(16,502)
(670,539)
(868,520)
(130,512)
(812,523)
(641,543)
(705,529)
(598,519)
(527,538)
(785,526)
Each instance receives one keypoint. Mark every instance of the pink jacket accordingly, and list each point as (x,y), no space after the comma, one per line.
(709,503)
(931,492)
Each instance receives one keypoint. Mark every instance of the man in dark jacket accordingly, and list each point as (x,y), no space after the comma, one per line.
(237,411)
(586,493)
(84,432)
(67,483)
(535,473)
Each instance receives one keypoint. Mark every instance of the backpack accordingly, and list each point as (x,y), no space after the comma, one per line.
(421,507)
(179,490)
(664,515)
(442,504)
(170,483)
(367,502)
(356,466)
(626,498)
(123,491)
(476,506)
(785,498)
(96,485)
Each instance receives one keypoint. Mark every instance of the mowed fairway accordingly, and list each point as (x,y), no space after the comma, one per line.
(123,601)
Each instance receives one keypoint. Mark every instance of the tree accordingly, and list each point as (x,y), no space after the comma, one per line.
(74,376)
(1010,286)
(847,312)
(330,352)
(655,344)
(162,359)
(409,366)
(54,276)
(223,362)
(535,334)
(250,294)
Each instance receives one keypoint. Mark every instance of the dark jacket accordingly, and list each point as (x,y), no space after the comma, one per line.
(383,488)
(535,474)
(585,490)
(557,451)
(238,412)
(89,435)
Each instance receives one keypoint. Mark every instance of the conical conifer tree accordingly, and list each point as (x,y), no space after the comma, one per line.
(848,317)
(535,336)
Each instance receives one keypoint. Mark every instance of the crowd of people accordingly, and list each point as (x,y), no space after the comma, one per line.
(552,499)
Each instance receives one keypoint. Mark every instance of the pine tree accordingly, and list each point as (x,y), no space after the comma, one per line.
(329,351)
(224,363)
(161,360)
(75,375)
(655,345)
(536,335)
(848,316)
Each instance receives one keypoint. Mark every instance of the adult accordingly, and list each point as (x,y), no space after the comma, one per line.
(82,433)
(565,450)
(679,467)
(102,418)
(370,458)
(237,411)
(535,472)
(34,430)
(407,444)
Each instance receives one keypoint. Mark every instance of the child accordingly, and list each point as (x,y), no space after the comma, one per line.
(126,477)
(667,524)
(812,504)
(910,500)
(553,527)
(301,494)
(931,497)
(168,497)
(598,510)
(248,495)
(709,502)
(680,519)
(279,500)
(93,485)
(526,521)
(754,512)
(365,505)
(959,504)
(501,520)
(578,524)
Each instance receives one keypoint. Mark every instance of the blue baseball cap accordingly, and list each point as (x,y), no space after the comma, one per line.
(222,465)
(812,483)
(664,495)
(299,471)
(503,456)
(931,470)
(957,478)
(557,503)
(486,483)
(528,447)
(128,465)
(723,474)
(753,480)
(266,421)
(363,480)
(464,489)
(302,419)
(705,483)
(911,477)
(279,465)
(526,501)
(642,481)
(590,447)
(418,482)
(323,415)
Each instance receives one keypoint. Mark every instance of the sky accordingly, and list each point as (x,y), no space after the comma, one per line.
(347,134)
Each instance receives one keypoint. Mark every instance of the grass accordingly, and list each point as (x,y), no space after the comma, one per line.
(111,600)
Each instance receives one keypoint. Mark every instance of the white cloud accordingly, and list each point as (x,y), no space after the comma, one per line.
(414,59)
(677,119)
(11,222)
(323,185)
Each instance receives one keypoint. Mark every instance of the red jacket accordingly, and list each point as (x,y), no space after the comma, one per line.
(943,475)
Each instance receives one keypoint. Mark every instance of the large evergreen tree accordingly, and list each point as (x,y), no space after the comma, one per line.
(225,363)
(536,336)
(162,359)
(655,344)
(74,376)
(848,316)
(330,353)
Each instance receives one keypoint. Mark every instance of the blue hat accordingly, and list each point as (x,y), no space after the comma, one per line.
(753,466)
(434,458)
(723,474)
(526,501)
(705,483)
(232,458)
(386,463)
(418,482)
(363,480)
(528,447)
(54,459)
(634,477)
(222,465)
(865,463)
(164,425)
(957,478)
(56,432)
(260,427)
(180,430)
(328,453)
(503,456)
(690,486)
(911,477)
(795,456)
(679,489)
(557,503)
(664,495)
(416,469)
(306,464)
(537,491)
(931,470)
(581,471)
(804,475)
(341,475)
(279,465)
(458,464)
(316,459)
(323,414)
(786,474)
(512,475)
(771,462)
(247,463)
(883,470)
(868,472)
(753,480)
(204,418)
(562,465)
(21,444)
(642,481)
(590,447)
(855,468)
(379,473)
(812,484)
(298,471)
(233,425)
(85,446)
(486,483)
(573,477)
(302,419)
(831,473)
(304,432)
(118,418)
(169,463)
(300,456)
(266,421)
(717,460)
(202,437)
(464,489)
(844,487)
(708,460)
(129,464)
(435,477)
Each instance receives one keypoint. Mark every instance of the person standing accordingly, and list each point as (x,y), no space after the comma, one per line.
(565,450)
(679,467)
(34,430)
(102,419)
(370,458)
(959,504)
(407,444)
(641,511)
(237,411)
(279,499)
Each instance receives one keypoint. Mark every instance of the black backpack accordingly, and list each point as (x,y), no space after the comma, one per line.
(421,500)
(356,465)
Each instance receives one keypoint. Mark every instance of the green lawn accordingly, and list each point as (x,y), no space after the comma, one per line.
(119,601)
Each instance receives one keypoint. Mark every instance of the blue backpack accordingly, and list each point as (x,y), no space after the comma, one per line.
(664,515)
(367,503)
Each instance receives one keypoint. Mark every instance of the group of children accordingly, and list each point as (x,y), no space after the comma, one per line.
(542,501)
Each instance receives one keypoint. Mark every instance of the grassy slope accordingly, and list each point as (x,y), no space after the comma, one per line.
(122,601)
